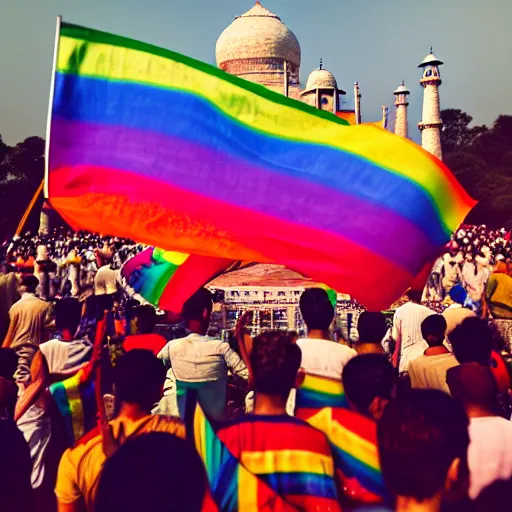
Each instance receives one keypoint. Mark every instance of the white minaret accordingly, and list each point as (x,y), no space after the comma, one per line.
(357,102)
(431,124)
(401,104)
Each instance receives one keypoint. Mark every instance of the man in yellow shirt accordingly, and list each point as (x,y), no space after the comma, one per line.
(139,377)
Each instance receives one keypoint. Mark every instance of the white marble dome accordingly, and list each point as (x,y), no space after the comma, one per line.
(257,34)
(321,79)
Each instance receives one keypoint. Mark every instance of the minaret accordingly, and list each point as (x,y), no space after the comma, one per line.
(401,104)
(357,102)
(431,124)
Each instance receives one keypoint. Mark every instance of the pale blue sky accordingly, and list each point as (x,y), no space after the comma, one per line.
(377,42)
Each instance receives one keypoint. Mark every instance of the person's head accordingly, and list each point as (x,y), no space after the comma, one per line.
(275,360)
(316,309)
(369,383)
(29,284)
(198,309)
(145,319)
(68,313)
(372,327)
(423,441)
(139,378)
(458,294)
(475,386)
(414,295)
(472,341)
(433,330)
(156,471)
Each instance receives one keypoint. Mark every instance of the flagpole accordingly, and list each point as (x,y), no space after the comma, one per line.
(50,106)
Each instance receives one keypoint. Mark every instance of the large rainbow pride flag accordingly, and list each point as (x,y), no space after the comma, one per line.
(152,145)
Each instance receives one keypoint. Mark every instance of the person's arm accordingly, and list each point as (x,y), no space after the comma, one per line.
(69,496)
(233,361)
(164,356)
(9,337)
(397,337)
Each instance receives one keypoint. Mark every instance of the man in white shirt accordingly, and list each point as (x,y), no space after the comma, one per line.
(199,362)
(409,342)
(429,370)
(320,354)
(490,448)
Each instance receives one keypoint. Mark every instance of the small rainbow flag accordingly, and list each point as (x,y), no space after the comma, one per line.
(166,279)
(76,402)
(287,470)
(178,154)
(317,392)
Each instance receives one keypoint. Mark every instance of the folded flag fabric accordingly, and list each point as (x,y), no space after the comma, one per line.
(177,154)
(166,279)
(267,464)
(321,402)
(76,402)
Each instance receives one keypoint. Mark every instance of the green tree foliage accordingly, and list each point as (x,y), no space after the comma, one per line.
(21,172)
(481,158)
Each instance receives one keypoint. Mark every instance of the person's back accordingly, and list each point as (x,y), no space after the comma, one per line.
(320,355)
(105,282)
(407,332)
(144,319)
(499,295)
(199,363)
(291,459)
(490,448)
(139,378)
(429,370)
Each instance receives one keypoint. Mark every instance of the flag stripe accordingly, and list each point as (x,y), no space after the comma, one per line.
(286,461)
(171,118)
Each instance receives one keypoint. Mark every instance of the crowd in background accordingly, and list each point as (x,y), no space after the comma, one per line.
(418,423)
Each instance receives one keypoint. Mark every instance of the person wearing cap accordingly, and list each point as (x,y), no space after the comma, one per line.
(457,313)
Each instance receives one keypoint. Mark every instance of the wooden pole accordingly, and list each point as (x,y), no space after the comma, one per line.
(29,209)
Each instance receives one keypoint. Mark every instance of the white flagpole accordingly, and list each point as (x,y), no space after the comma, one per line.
(285,72)
(50,107)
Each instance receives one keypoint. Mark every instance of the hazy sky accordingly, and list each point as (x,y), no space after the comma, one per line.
(377,42)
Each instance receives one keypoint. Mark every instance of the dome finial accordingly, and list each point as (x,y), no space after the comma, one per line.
(431,49)
(321,63)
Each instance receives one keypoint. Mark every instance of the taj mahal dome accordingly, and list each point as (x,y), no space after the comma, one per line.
(257,46)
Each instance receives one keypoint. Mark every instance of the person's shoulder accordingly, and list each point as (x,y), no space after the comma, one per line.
(167,424)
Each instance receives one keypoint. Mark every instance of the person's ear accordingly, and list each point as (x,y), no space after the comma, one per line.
(377,406)
(299,379)
(452,477)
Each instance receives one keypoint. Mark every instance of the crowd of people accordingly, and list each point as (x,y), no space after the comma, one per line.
(419,421)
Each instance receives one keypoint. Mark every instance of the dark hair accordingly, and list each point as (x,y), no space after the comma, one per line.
(473,384)
(472,341)
(433,330)
(316,309)
(139,378)
(414,295)
(194,308)
(146,318)
(495,497)
(366,377)
(372,327)
(30,282)
(156,471)
(8,363)
(275,360)
(420,434)
(68,313)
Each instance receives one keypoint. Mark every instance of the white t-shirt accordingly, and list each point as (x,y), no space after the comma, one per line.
(323,357)
(489,453)
(105,282)
(66,356)
(407,332)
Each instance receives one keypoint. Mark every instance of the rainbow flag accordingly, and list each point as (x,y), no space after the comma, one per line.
(180,155)
(321,402)
(289,473)
(167,279)
(317,392)
(347,115)
(76,402)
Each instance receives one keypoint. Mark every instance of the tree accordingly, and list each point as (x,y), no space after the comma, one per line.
(4,148)
(457,134)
